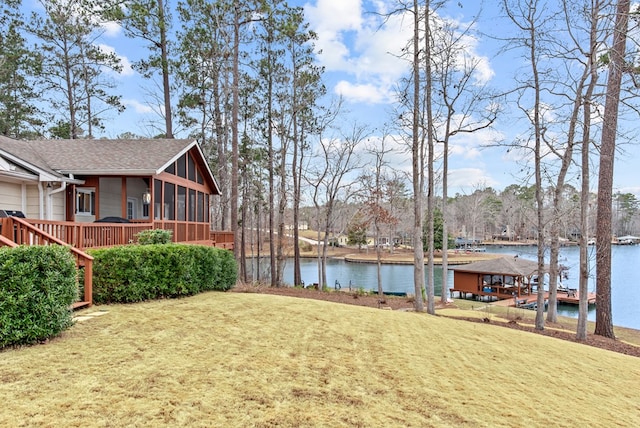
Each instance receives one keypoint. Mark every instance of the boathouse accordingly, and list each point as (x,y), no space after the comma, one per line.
(496,279)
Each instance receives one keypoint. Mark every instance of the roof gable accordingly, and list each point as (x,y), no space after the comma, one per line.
(20,157)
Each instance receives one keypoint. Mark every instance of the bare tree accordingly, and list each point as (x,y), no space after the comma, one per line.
(374,191)
(583,287)
(464,102)
(428,134)
(336,159)
(417,159)
(299,105)
(528,17)
(577,89)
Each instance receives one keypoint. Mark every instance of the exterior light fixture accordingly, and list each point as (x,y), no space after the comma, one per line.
(146,197)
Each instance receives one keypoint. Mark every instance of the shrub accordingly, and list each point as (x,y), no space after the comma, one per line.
(154,236)
(135,273)
(38,285)
(305,246)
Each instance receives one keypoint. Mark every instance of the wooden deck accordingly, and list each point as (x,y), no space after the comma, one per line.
(573,298)
(563,297)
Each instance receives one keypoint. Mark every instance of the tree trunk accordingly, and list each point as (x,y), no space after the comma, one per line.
(378,252)
(164,59)
(234,129)
(445,240)
(417,172)
(583,286)
(431,305)
(604,321)
(282,206)
(297,275)
(539,322)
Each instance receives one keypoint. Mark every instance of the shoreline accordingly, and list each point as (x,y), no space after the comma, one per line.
(404,257)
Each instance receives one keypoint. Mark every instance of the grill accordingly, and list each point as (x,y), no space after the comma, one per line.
(11,213)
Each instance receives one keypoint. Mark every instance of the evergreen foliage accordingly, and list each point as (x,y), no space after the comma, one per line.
(154,236)
(357,232)
(38,287)
(135,273)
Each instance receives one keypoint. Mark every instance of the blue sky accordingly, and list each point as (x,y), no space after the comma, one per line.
(358,53)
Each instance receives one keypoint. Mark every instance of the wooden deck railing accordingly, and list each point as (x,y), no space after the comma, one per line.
(6,242)
(97,235)
(222,239)
(16,231)
(91,235)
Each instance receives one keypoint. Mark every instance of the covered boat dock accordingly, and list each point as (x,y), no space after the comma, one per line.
(496,279)
(508,281)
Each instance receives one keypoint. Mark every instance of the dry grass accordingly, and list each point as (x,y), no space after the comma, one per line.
(469,309)
(240,360)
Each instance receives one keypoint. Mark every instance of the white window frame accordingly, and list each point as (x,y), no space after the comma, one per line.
(85,192)
(133,204)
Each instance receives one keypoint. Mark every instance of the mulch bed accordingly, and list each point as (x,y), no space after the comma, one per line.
(404,303)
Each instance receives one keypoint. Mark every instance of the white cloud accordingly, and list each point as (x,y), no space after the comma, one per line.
(137,106)
(332,53)
(469,179)
(111,29)
(361,93)
(127,69)
(335,15)
(361,43)
(332,20)
(471,145)
(361,50)
(483,72)
(466,151)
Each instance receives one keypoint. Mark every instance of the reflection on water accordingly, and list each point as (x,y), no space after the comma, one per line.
(625,278)
(363,275)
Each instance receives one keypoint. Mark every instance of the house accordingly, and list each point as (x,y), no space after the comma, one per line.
(302,225)
(98,193)
(626,240)
(163,182)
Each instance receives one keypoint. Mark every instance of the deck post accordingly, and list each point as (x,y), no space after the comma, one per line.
(88,281)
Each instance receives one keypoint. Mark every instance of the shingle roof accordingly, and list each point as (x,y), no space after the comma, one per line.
(102,157)
(110,156)
(501,266)
(22,150)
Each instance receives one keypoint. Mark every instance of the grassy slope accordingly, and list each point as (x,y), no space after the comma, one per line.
(230,359)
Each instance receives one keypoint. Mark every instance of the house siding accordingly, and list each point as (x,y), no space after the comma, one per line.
(33,203)
(466,282)
(58,206)
(109,197)
(11,196)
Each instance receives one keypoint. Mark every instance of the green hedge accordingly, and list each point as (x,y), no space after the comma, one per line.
(38,285)
(154,236)
(134,273)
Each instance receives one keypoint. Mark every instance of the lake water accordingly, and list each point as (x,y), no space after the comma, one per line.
(625,278)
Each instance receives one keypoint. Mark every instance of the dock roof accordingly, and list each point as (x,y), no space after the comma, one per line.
(515,266)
